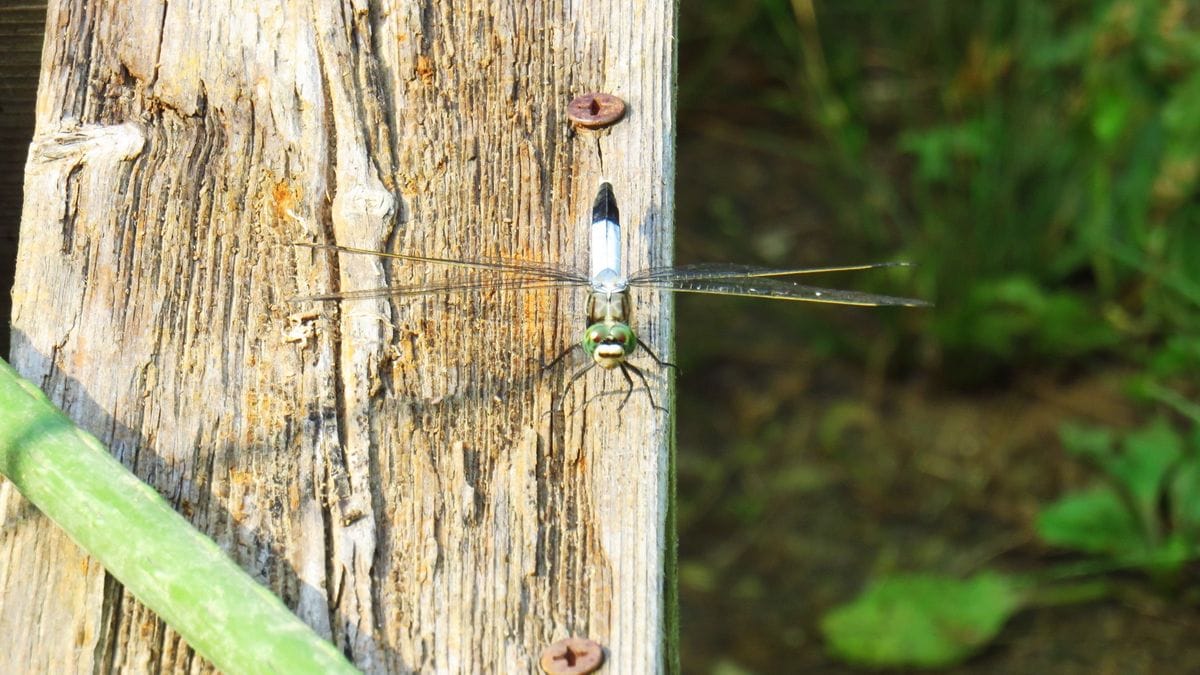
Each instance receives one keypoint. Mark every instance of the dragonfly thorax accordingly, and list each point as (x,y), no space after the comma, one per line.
(609,307)
(608,338)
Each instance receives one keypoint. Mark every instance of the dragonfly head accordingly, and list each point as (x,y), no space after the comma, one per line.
(609,343)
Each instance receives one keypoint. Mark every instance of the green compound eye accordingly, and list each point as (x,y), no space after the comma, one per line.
(623,335)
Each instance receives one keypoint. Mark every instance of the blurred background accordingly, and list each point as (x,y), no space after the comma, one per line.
(1005,483)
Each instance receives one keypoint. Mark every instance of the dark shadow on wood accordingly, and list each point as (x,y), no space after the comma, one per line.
(22,26)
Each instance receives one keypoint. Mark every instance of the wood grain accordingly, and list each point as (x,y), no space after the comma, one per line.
(391,468)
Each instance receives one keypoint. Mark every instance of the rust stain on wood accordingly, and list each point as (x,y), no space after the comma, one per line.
(284,200)
(424,69)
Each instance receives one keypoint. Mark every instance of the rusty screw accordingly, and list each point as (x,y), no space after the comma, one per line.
(593,111)
(572,656)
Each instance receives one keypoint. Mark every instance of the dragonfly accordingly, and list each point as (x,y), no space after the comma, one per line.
(608,339)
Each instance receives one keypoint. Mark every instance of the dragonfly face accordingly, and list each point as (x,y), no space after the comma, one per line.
(609,343)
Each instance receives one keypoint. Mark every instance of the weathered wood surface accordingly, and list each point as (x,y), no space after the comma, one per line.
(389,467)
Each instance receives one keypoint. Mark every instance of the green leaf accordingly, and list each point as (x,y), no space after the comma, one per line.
(1148,454)
(1007,316)
(1169,556)
(1109,116)
(1184,491)
(937,149)
(1094,521)
(921,620)
(1179,356)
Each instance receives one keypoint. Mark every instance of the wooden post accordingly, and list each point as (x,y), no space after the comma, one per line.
(391,467)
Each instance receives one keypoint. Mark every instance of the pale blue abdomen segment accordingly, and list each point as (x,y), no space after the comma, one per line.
(605,272)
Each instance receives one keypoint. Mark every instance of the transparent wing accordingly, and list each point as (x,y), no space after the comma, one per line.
(544,271)
(455,286)
(734,271)
(764,286)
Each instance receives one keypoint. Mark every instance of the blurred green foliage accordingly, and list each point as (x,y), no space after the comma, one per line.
(1145,516)
(924,621)
(1147,511)
(1039,161)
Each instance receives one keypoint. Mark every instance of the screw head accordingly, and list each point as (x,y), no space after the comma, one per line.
(572,656)
(595,110)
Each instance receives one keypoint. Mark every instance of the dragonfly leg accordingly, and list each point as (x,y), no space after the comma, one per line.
(660,362)
(578,374)
(641,376)
(629,382)
(562,356)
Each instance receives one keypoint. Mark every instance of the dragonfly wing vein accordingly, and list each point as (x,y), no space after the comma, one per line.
(733,271)
(778,289)
(456,286)
(498,265)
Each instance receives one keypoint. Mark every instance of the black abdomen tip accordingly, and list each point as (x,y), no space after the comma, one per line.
(605,207)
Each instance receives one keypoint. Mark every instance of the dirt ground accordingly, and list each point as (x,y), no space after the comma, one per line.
(803,479)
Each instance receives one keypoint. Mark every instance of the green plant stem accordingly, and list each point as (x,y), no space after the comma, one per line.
(1170,397)
(1069,594)
(1092,567)
(172,568)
